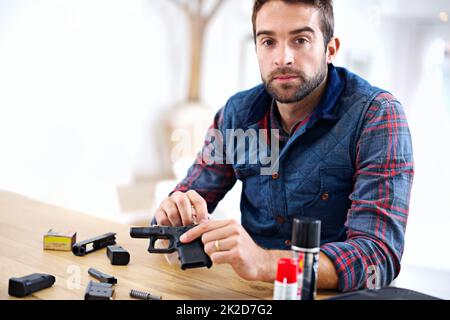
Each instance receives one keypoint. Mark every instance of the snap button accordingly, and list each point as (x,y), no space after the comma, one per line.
(325,196)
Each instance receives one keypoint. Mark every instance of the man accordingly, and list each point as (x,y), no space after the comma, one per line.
(345,159)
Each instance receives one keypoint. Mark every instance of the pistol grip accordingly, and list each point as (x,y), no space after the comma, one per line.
(193,255)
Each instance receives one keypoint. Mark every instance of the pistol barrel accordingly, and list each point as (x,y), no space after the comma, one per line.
(141,233)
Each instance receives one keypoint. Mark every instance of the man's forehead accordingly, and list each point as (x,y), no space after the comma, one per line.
(281,17)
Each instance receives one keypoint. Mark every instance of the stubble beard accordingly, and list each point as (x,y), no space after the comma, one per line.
(295,91)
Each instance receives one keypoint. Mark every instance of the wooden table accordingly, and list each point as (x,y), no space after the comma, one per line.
(23,222)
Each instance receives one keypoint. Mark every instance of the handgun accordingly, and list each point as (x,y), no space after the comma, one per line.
(191,255)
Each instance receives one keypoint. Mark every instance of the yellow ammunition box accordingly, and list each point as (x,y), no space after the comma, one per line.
(59,241)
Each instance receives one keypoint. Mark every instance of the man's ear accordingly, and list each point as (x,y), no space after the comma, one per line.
(332,49)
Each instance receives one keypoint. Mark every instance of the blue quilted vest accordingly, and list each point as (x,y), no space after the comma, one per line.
(316,167)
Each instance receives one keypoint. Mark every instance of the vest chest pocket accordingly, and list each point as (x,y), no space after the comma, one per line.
(332,202)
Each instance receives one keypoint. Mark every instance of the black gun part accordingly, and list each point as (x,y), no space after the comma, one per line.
(191,255)
(102,277)
(87,246)
(24,286)
(99,291)
(118,255)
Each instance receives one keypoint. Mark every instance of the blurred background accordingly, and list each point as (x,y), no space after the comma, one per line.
(103,103)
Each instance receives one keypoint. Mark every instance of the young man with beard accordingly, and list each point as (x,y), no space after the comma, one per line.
(345,159)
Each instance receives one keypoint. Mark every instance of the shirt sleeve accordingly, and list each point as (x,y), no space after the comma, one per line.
(377,219)
(210,175)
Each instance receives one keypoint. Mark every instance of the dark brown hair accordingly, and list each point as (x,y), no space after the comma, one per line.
(325,8)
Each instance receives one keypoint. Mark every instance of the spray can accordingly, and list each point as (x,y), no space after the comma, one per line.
(285,286)
(306,248)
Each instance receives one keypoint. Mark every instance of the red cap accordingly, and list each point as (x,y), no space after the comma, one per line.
(287,269)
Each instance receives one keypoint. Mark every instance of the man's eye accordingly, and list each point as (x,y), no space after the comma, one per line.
(301,41)
(267,43)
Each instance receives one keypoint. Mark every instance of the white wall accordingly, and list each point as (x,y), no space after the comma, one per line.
(430,126)
(83,87)
(76,97)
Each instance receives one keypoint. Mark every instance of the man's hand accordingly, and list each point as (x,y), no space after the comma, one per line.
(182,209)
(227,242)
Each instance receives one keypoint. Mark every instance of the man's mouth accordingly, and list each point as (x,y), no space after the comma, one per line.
(286,78)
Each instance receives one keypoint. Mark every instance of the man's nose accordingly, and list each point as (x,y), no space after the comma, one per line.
(284,57)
